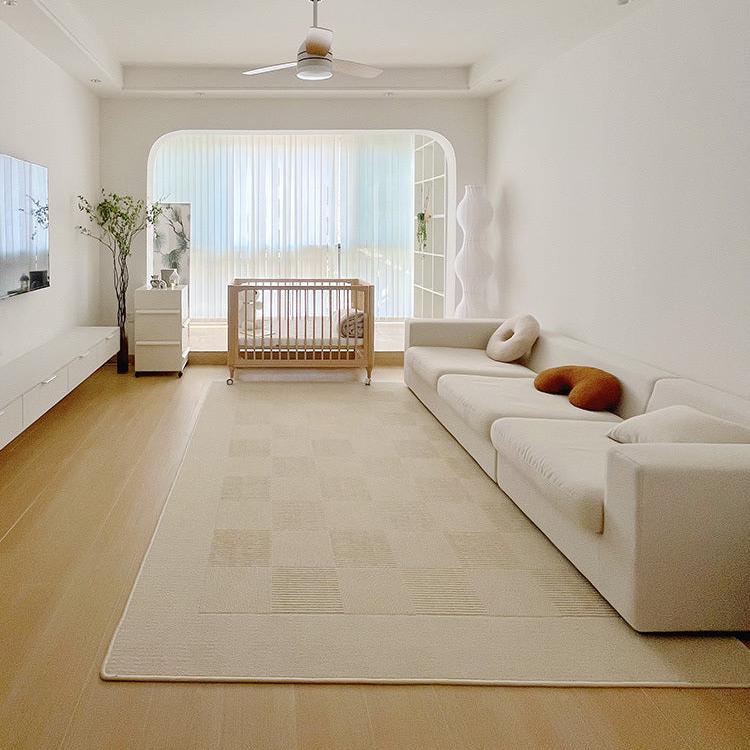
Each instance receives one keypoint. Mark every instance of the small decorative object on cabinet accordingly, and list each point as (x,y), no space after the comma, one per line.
(174,279)
(161,329)
(473,264)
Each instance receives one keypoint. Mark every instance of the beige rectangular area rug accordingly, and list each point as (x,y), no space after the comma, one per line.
(329,532)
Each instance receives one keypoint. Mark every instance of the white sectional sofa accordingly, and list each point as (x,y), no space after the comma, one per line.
(662,530)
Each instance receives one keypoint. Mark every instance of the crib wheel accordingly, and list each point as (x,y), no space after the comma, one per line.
(230,381)
(368,381)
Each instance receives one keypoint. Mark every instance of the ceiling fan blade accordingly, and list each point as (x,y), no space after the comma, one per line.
(318,41)
(269,69)
(355,69)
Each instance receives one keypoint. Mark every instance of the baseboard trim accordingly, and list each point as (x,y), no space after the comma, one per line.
(389,359)
(207,358)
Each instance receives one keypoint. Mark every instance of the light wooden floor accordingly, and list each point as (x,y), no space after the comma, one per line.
(80,493)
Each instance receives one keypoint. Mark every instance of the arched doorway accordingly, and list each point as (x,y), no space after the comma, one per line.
(309,204)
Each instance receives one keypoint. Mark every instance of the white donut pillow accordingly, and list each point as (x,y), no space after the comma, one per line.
(513,339)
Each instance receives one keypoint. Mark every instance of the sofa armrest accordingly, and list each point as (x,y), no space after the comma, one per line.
(680,514)
(454,332)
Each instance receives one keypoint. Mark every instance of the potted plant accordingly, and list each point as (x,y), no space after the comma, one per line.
(423,217)
(119,219)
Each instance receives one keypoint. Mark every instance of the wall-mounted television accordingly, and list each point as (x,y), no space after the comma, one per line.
(24,227)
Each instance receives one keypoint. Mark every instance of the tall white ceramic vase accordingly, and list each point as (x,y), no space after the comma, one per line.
(473,264)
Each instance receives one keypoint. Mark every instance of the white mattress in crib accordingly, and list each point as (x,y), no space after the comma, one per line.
(276,335)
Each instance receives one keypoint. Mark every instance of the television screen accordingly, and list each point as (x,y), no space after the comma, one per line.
(24,227)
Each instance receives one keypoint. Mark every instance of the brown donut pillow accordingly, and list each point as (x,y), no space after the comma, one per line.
(586,387)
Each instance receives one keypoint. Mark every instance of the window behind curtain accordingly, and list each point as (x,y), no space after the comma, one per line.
(293,205)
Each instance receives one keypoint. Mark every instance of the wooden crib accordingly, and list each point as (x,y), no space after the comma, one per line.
(300,323)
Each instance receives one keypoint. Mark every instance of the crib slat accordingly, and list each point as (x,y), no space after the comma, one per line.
(348,307)
(296,324)
(254,298)
(244,307)
(330,325)
(262,325)
(338,325)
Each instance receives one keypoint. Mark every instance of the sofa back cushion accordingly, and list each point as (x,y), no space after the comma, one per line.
(637,378)
(673,391)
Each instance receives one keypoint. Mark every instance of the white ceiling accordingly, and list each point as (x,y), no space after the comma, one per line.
(428,47)
(382,32)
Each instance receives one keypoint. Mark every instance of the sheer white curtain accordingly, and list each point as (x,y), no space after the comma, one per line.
(376,221)
(293,205)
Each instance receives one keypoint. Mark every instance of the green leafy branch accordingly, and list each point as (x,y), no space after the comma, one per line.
(115,221)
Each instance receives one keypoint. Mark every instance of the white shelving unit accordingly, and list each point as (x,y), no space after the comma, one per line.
(429,262)
(32,384)
(162,329)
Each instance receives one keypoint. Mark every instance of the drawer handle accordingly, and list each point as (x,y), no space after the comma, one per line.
(84,355)
(49,380)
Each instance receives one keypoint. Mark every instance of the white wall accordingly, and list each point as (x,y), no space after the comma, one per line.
(129,127)
(49,118)
(621,177)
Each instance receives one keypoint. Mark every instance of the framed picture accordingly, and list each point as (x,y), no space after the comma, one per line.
(172,240)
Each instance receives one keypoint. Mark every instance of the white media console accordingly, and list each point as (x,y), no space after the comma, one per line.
(36,381)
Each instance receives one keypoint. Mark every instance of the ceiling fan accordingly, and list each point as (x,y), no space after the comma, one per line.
(315,61)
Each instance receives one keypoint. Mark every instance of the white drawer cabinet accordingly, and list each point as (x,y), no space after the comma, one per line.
(36,381)
(161,329)
(11,421)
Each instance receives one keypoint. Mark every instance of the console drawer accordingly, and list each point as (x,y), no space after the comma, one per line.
(111,345)
(11,421)
(90,361)
(44,396)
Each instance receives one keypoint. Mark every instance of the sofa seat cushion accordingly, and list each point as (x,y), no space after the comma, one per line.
(566,461)
(430,363)
(480,401)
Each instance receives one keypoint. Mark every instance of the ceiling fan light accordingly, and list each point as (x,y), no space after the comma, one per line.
(314,69)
